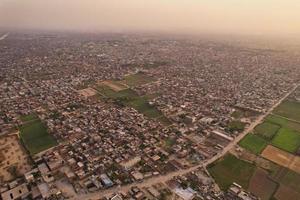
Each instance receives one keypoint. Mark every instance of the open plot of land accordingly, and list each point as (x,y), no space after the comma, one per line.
(291,179)
(267,130)
(27,118)
(35,137)
(289,109)
(137,79)
(236,126)
(286,193)
(286,139)
(230,169)
(129,97)
(253,143)
(282,158)
(114,85)
(87,92)
(261,185)
(14,160)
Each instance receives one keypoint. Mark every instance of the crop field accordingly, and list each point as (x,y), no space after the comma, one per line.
(35,137)
(230,169)
(253,143)
(286,193)
(267,130)
(286,139)
(282,158)
(289,109)
(137,79)
(261,185)
(284,123)
(130,98)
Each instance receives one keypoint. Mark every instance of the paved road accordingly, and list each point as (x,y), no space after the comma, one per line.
(164,178)
(4,36)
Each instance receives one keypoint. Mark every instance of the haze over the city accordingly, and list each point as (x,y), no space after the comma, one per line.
(257,17)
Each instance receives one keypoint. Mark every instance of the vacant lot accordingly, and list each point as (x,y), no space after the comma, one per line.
(267,130)
(236,126)
(87,92)
(261,185)
(253,143)
(35,137)
(286,193)
(289,109)
(230,169)
(114,85)
(137,79)
(14,160)
(129,97)
(282,158)
(287,139)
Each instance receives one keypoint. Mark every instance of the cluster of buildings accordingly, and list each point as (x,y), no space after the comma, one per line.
(102,145)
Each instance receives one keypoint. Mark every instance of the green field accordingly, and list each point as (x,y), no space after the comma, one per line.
(35,137)
(267,130)
(137,79)
(287,139)
(236,126)
(230,169)
(31,117)
(253,143)
(283,122)
(289,109)
(129,97)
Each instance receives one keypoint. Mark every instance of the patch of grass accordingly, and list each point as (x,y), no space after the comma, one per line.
(230,169)
(137,79)
(253,143)
(287,139)
(237,114)
(283,122)
(31,117)
(129,97)
(267,130)
(35,137)
(236,126)
(289,109)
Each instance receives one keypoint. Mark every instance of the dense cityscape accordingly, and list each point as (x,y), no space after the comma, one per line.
(129,116)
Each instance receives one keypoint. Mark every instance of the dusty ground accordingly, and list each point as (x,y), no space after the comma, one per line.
(12,154)
(87,92)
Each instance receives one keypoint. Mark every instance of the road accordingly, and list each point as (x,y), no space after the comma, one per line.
(164,178)
(4,36)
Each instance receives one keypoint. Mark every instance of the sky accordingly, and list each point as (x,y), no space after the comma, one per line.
(266,17)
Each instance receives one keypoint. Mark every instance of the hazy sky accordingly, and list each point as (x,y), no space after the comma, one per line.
(190,16)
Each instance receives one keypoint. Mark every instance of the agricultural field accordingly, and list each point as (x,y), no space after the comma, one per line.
(129,97)
(137,79)
(289,109)
(253,143)
(282,158)
(282,122)
(267,130)
(288,140)
(286,193)
(35,137)
(230,169)
(261,185)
